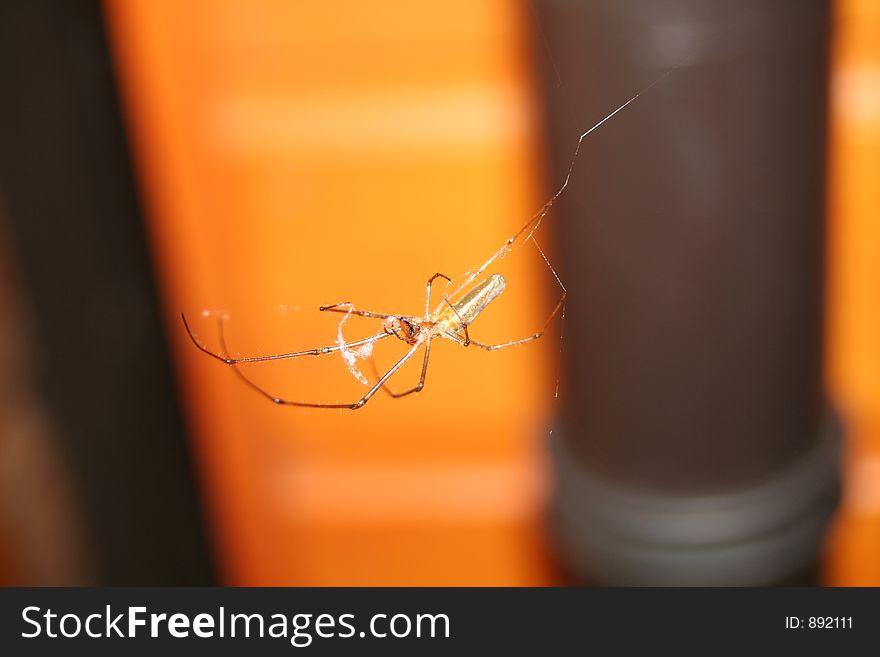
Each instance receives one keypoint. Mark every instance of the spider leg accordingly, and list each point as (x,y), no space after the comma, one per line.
(350,310)
(428,291)
(464,327)
(353,406)
(320,351)
(421,383)
(467,338)
(494,347)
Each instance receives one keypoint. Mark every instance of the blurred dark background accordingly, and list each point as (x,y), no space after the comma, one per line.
(81,303)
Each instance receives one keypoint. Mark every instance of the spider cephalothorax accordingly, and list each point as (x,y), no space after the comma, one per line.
(403,328)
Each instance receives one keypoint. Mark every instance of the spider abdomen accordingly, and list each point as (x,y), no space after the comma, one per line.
(465,310)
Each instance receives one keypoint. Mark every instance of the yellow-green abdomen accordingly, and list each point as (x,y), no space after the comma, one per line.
(471,304)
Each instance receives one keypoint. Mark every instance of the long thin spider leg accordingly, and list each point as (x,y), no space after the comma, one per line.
(494,347)
(363,400)
(532,224)
(320,351)
(428,291)
(351,310)
(222,337)
(419,386)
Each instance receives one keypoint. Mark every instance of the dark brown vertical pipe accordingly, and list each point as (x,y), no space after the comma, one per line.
(696,447)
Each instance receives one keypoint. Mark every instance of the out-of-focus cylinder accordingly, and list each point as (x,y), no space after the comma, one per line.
(696,447)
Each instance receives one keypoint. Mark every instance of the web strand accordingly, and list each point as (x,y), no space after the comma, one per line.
(532,224)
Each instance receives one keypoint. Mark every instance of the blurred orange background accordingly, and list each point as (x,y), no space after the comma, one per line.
(299,154)
(853,353)
(306,153)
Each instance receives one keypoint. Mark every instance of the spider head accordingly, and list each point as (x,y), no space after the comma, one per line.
(403,328)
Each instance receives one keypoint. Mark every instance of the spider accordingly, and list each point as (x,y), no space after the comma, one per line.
(449,320)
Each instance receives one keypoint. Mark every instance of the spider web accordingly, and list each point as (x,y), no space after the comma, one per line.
(351,356)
